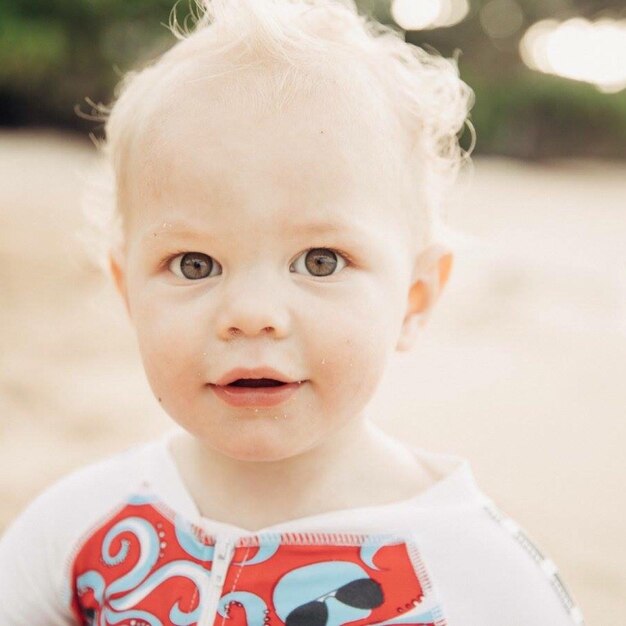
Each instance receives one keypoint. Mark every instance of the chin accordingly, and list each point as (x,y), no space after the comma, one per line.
(260,449)
(259,453)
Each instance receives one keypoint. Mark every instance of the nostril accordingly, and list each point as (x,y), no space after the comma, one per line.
(256,382)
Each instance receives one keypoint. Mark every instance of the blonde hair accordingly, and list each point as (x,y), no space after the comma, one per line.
(300,36)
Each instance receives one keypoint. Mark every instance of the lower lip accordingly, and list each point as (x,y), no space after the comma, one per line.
(255,396)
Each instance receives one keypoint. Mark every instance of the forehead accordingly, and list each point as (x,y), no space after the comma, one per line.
(230,148)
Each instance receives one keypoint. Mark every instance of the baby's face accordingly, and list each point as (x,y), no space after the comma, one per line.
(259,242)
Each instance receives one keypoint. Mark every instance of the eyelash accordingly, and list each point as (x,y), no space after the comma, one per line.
(349,260)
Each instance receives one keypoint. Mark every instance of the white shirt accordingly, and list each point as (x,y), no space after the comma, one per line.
(122,542)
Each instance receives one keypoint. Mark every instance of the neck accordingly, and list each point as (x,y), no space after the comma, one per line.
(338,473)
(354,439)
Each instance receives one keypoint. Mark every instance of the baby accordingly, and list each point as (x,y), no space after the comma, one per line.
(278,180)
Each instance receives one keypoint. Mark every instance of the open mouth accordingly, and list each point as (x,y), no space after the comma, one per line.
(256,382)
(256,392)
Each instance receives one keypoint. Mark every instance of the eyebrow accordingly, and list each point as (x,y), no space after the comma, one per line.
(321,227)
(182,228)
(162,229)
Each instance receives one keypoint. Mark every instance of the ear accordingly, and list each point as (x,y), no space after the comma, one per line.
(431,265)
(116,265)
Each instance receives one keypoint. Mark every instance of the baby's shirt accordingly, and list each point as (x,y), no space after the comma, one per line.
(122,542)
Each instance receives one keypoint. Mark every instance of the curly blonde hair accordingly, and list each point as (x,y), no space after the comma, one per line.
(301,40)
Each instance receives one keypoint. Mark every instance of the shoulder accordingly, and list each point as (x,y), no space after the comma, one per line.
(36,547)
(92,488)
(488,567)
(81,495)
(531,576)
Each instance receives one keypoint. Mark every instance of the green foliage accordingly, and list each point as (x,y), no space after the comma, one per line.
(30,49)
(56,53)
(535,115)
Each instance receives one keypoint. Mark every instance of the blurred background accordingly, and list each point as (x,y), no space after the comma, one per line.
(522,367)
(549,75)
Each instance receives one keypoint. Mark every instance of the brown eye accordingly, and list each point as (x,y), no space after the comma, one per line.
(192,265)
(321,261)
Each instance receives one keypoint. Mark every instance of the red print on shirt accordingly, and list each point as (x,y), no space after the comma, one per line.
(147,566)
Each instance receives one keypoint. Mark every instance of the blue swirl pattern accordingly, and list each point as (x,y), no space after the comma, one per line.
(141,580)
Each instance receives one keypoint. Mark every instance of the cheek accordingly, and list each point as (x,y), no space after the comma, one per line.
(171,350)
(351,345)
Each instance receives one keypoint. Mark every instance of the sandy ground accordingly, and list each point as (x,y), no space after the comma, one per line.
(521,369)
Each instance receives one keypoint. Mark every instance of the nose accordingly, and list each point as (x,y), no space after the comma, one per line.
(250,305)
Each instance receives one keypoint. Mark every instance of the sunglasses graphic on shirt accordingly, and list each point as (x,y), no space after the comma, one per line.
(363,593)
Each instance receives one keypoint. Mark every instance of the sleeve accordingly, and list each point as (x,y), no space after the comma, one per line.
(530,590)
(32,585)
